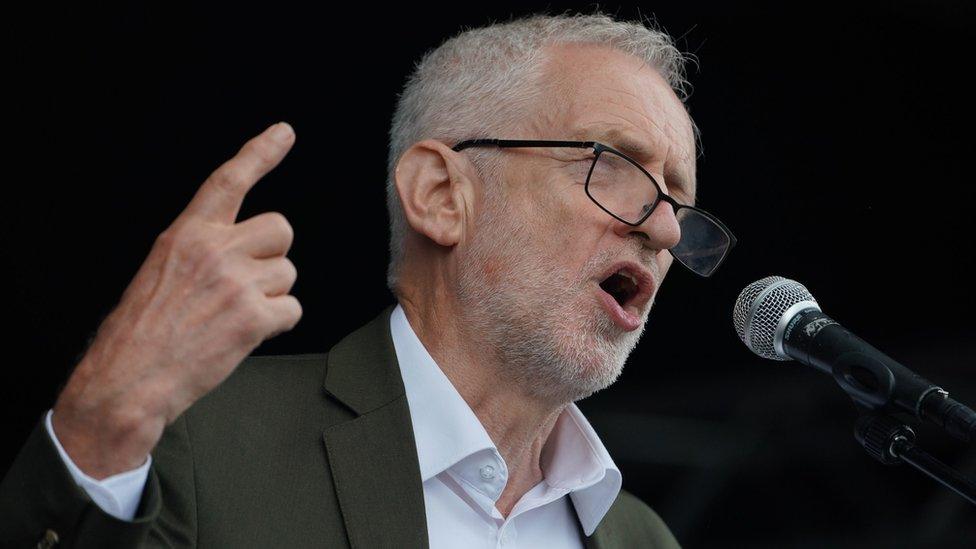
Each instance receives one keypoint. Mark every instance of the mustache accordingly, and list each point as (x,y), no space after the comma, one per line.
(633,250)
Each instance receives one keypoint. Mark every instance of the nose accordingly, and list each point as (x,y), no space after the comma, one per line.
(660,229)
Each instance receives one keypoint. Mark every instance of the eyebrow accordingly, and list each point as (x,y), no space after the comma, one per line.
(625,142)
(619,139)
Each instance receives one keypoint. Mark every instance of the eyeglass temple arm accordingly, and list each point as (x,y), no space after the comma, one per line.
(521,143)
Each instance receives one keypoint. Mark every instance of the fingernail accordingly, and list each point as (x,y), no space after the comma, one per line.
(281,132)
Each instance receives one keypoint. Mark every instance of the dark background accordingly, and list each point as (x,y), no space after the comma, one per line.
(837,146)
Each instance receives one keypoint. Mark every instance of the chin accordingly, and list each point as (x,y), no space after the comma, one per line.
(591,358)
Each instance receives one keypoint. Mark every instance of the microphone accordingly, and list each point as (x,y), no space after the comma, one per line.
(778,319)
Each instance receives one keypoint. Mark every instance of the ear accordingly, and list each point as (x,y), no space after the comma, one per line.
(433,191)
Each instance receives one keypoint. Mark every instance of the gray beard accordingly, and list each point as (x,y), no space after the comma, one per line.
(557,360)
(544,333)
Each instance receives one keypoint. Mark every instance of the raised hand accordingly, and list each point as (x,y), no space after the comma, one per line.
(210,291)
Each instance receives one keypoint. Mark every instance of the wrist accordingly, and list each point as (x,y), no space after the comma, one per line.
(105,439)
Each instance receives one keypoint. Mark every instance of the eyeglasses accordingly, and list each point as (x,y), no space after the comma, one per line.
(619,185)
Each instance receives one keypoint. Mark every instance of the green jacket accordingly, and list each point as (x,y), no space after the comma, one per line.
(290,451)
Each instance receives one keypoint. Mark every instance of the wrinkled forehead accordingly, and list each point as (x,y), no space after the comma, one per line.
(594,92)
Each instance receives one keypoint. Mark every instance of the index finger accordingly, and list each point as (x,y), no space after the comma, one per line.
(220,196)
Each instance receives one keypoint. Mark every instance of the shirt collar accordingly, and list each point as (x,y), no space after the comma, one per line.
(447,431)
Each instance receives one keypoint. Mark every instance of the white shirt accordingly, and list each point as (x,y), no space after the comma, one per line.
(462,472)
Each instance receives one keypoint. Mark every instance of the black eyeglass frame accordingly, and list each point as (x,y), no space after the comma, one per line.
(598,149)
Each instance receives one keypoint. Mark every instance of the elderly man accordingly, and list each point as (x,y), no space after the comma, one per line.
(542,173)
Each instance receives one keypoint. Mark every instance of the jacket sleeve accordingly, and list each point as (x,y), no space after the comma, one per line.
(42,506)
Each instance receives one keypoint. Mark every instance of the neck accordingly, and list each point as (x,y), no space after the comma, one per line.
(519,424)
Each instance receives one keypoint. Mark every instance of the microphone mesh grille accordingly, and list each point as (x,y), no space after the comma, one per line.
(759,309)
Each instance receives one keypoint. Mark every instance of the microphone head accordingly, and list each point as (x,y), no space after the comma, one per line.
(764,308)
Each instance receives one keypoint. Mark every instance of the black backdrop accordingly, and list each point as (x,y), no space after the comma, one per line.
(837,145)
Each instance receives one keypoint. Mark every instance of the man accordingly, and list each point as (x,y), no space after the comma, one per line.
(524,271)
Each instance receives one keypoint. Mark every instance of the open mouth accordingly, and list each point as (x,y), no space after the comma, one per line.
(622,287)
(626,288)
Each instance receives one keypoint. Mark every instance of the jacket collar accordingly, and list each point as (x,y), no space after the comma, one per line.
(373,456)
(362,369)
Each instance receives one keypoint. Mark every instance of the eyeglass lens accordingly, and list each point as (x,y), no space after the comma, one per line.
(622,189)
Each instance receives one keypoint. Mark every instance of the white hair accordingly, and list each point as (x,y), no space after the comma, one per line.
(482,82)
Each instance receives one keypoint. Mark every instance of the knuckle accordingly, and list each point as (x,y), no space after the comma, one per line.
(257,321)
(166,239)
(217,270)
(227,179)
(191,248)
(289,314)
(176,235)
(261,150)
(236,290)
(290,270)
(250,328)
(251,316)
(280,223)
(208,255)
(296,311)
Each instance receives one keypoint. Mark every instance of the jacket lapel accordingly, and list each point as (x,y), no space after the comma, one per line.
(591,542)
(598,539)
(373,457)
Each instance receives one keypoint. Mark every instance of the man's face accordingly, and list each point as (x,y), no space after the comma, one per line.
(541,256)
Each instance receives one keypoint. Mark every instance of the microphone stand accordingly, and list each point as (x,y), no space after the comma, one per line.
(892,442)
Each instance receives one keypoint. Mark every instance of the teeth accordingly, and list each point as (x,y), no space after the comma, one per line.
(628,276)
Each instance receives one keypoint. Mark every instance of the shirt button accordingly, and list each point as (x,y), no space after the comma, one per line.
(49,540)
(487,472)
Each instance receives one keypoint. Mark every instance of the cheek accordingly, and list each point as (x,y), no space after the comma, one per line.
(491,271)
(556,224)
(571,216)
